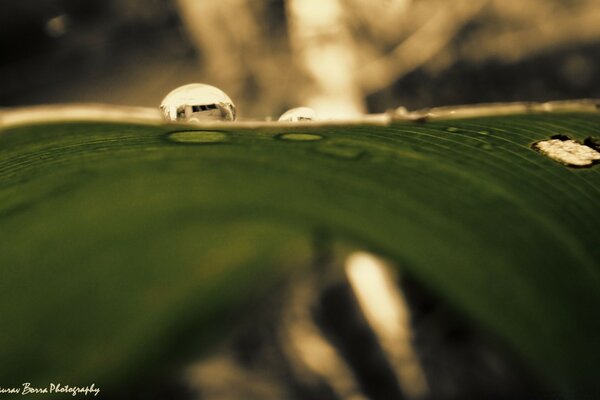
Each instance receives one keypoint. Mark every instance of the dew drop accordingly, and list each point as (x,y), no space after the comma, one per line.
(298,114)
(198,137)
(300,137)
(487,146)
(485,133)
(197,102)
(452,129)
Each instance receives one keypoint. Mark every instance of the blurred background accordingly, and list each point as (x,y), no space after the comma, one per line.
(341,57)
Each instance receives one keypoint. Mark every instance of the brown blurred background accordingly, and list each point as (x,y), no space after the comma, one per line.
(342,57)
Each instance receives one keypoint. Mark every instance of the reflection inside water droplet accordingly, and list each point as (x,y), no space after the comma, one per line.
(298,114)
(452,129)
(300,137)
(198,137)
(197,102)
(486,146)
(484,132)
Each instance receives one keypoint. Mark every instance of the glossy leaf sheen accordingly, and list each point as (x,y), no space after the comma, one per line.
(116,240)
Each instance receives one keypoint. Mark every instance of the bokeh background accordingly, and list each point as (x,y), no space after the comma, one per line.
(341,57)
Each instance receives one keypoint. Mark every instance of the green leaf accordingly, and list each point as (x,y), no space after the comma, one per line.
(120,242)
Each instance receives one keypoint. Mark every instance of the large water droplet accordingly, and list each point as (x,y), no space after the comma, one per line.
(298,114)
(198,137)
(197,102)
(300,137)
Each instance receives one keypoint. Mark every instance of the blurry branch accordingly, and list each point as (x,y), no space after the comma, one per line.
(578,26)
(383,304)
(419,47)
(322,45)
(325,44)
(313,356)
(379,21)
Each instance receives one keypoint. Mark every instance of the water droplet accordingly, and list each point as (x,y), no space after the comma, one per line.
(300,137)
(485,133)
(198,137)
(452,129)
(487,146)
(341,151)
(298,114)
(197,102)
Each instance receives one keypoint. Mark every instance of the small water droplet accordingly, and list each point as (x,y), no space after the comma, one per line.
(298,114)
(198,137)
(300,137)
(485,133)
(487,146)
(452,129)
(197,102)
